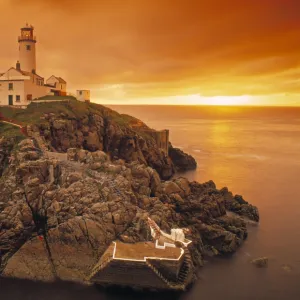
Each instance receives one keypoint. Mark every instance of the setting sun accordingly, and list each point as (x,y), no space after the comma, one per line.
(219,100)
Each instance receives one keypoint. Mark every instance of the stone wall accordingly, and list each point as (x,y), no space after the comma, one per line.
(129,273)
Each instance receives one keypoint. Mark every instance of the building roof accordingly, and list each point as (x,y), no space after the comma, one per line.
(27,26)
(22,72)
(26,73)
(140,251)
(144,265)
(159,264)
(59,79)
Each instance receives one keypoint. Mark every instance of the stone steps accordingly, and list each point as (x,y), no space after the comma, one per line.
(174,285)
(100,267)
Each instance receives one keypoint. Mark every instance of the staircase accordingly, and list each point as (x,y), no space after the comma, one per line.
(155,227)
(100,267)
(185,268)
(164,279)
(183,276)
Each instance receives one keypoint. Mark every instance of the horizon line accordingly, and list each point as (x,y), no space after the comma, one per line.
(202,105)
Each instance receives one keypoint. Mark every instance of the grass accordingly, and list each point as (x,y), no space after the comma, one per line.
(57,98)
(73,109)
(9,131)
(35,111)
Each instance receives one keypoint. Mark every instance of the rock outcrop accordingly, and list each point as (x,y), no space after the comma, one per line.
(97,128)
(181,160)
(261,262)
(6,146)
(59,213)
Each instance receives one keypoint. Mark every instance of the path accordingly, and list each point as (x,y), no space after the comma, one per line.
(13,124)
(68,164)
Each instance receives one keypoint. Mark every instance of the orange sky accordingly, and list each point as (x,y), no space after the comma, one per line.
(164,51)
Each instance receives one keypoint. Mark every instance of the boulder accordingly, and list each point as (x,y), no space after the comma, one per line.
(261,262)
(181,160)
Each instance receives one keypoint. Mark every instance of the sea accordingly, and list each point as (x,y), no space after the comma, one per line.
(255,152)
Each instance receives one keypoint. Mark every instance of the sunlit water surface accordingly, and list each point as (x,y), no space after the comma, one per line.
(256,153)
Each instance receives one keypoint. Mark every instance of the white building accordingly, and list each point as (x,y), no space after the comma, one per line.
(57,85)
(21,84)
(83,95)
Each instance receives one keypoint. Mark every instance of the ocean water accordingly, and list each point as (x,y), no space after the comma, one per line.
(255,152)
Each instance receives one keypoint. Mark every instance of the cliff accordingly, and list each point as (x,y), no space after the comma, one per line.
(94,127)
(60,211)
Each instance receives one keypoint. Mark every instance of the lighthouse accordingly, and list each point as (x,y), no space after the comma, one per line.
(21,85)
(27,57)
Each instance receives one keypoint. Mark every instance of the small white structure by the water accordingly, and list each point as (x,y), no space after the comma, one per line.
(83,95)
(161,237)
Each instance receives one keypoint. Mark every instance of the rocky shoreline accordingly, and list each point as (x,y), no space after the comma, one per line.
(99,182)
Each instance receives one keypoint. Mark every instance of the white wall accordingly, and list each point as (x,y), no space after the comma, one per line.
(63,87)
(15,77)
(27,58)
(13,74)
(58,86)
(22,89)
(83,95)
(35,90)
(52,80)
(22,86)
(18,89)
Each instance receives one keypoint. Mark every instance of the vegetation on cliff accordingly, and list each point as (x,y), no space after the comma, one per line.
(93,127)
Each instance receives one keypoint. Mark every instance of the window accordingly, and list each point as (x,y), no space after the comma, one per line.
(80,93)
(10,86)
(28,47)
(29,97)
(18,98)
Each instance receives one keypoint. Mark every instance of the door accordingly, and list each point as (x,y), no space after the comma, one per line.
(10,99)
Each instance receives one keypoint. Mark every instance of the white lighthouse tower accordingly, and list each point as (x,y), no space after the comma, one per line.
(27,43)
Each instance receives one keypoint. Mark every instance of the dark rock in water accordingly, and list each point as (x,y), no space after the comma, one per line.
(181,160)
(239,206)
(261,262)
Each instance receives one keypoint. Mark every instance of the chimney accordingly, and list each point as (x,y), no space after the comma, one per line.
(18,66)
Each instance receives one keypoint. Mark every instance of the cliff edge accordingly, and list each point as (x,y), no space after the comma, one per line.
(92,127)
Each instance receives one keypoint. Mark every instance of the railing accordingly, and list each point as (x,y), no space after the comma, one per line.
(27,38)
(100,267)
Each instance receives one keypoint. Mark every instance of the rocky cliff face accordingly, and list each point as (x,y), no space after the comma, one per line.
(121,136)
(181,160)
(59,211)
(5,150)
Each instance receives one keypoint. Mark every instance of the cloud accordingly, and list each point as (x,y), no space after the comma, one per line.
(160,48)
